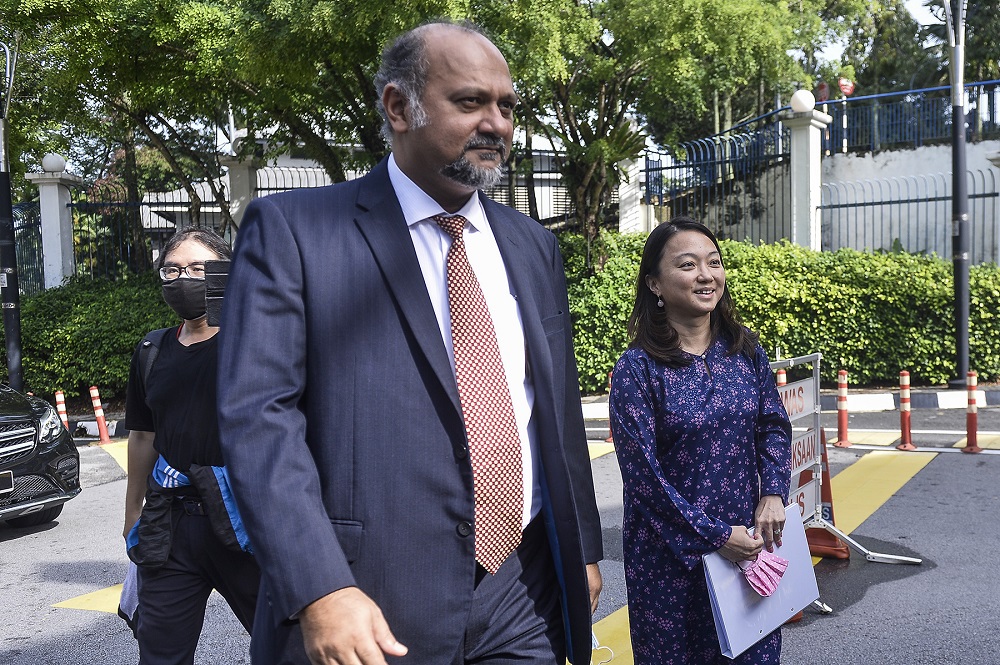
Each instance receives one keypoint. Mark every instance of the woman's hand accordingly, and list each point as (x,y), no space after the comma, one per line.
(769,520)
(741,546)
(141,460)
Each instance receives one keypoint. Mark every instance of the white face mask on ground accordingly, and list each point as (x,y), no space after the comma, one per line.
(596,646)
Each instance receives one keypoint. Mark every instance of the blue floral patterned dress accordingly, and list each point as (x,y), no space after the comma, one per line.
(697,447)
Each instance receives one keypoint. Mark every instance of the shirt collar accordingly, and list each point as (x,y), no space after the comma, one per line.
(418,206)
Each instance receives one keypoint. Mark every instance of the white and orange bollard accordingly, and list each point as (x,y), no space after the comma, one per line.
(781,378)
(842,440)
(61,408)
(971,416)
(905,438)
(102,426)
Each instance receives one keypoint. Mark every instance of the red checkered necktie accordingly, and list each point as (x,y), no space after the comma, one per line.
(494,442)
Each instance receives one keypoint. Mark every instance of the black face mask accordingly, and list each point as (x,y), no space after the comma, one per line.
(186,297)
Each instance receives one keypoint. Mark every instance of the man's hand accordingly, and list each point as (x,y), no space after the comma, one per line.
(596,583)
(346,627)
(741,546)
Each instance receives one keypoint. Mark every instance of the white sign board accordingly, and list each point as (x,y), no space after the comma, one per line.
(805,497)
(806,452)
(799,398)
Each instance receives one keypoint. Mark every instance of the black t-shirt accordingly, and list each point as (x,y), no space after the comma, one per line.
(178,402)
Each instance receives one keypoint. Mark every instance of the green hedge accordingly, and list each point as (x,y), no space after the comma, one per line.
(83,334)
(871,314)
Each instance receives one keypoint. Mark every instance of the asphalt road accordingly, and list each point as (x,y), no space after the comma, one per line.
(81,553)
(943,611)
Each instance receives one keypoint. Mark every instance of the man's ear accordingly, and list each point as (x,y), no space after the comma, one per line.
(396,109)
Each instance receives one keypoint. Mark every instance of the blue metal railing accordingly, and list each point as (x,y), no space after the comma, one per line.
(906,119)
(909,119)
(734,184)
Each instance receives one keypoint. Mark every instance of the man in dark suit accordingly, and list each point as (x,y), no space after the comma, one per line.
(407,479)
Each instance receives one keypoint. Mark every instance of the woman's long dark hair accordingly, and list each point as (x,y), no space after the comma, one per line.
(648,326)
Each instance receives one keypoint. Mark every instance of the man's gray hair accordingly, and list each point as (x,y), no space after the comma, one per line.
(404,64)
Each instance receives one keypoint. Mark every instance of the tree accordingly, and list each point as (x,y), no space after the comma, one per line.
(127,77)
(982,38)
(887,50)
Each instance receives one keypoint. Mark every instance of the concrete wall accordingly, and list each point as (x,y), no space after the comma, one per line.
(925,160)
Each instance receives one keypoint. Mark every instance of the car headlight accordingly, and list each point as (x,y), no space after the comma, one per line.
(49,425)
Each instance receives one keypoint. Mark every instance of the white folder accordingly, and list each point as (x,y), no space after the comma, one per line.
(742,616)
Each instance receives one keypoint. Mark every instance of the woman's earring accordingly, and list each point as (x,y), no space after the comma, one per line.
(659,302)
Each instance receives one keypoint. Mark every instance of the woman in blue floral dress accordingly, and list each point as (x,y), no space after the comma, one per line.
(703,442)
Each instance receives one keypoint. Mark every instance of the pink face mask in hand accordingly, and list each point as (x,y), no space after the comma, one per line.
(764,572)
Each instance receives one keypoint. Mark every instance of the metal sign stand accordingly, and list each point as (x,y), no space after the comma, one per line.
(802,399)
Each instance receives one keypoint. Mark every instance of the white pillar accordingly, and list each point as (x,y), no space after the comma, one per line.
(630,208)
(242,185)
(806,130)
(54,197)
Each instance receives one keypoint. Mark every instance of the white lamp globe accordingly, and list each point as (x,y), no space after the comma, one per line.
(803,101)
(53,163)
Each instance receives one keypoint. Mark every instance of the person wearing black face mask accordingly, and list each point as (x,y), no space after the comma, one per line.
(179,526)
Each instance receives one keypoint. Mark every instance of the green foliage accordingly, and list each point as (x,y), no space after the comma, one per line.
(871,314)
(984,321)
(890,51)
(600,303)
(83,334)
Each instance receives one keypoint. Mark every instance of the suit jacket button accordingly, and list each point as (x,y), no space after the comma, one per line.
(464,529)
(461,453)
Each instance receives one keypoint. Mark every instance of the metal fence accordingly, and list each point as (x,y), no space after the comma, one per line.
(28,246)
(113,236)
(910,214)
(552,201)
(272,179)
(909,119)
(736,185)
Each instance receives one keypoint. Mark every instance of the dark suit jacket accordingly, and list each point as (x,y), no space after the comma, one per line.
(341,425)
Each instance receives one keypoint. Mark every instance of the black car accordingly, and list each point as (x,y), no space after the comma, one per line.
(39,463)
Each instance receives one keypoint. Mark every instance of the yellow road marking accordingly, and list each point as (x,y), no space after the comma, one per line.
(600,449)
(118,449)
(104,600)
(858,491)
(987,441)
(612,632)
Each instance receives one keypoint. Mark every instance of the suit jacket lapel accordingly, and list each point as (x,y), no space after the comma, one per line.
(382,224)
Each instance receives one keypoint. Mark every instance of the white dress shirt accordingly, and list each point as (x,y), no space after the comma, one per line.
(432,243)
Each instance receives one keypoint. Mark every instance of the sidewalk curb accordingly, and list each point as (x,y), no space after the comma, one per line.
(596,408)
(889,401)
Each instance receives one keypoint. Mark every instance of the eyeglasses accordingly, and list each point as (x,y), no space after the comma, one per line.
(192,271)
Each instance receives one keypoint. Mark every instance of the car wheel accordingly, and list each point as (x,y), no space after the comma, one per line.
(34,519)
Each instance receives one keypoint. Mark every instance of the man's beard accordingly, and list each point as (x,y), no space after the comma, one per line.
(468,174)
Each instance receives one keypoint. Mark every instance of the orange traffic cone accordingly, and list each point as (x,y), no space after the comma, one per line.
(821,541)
